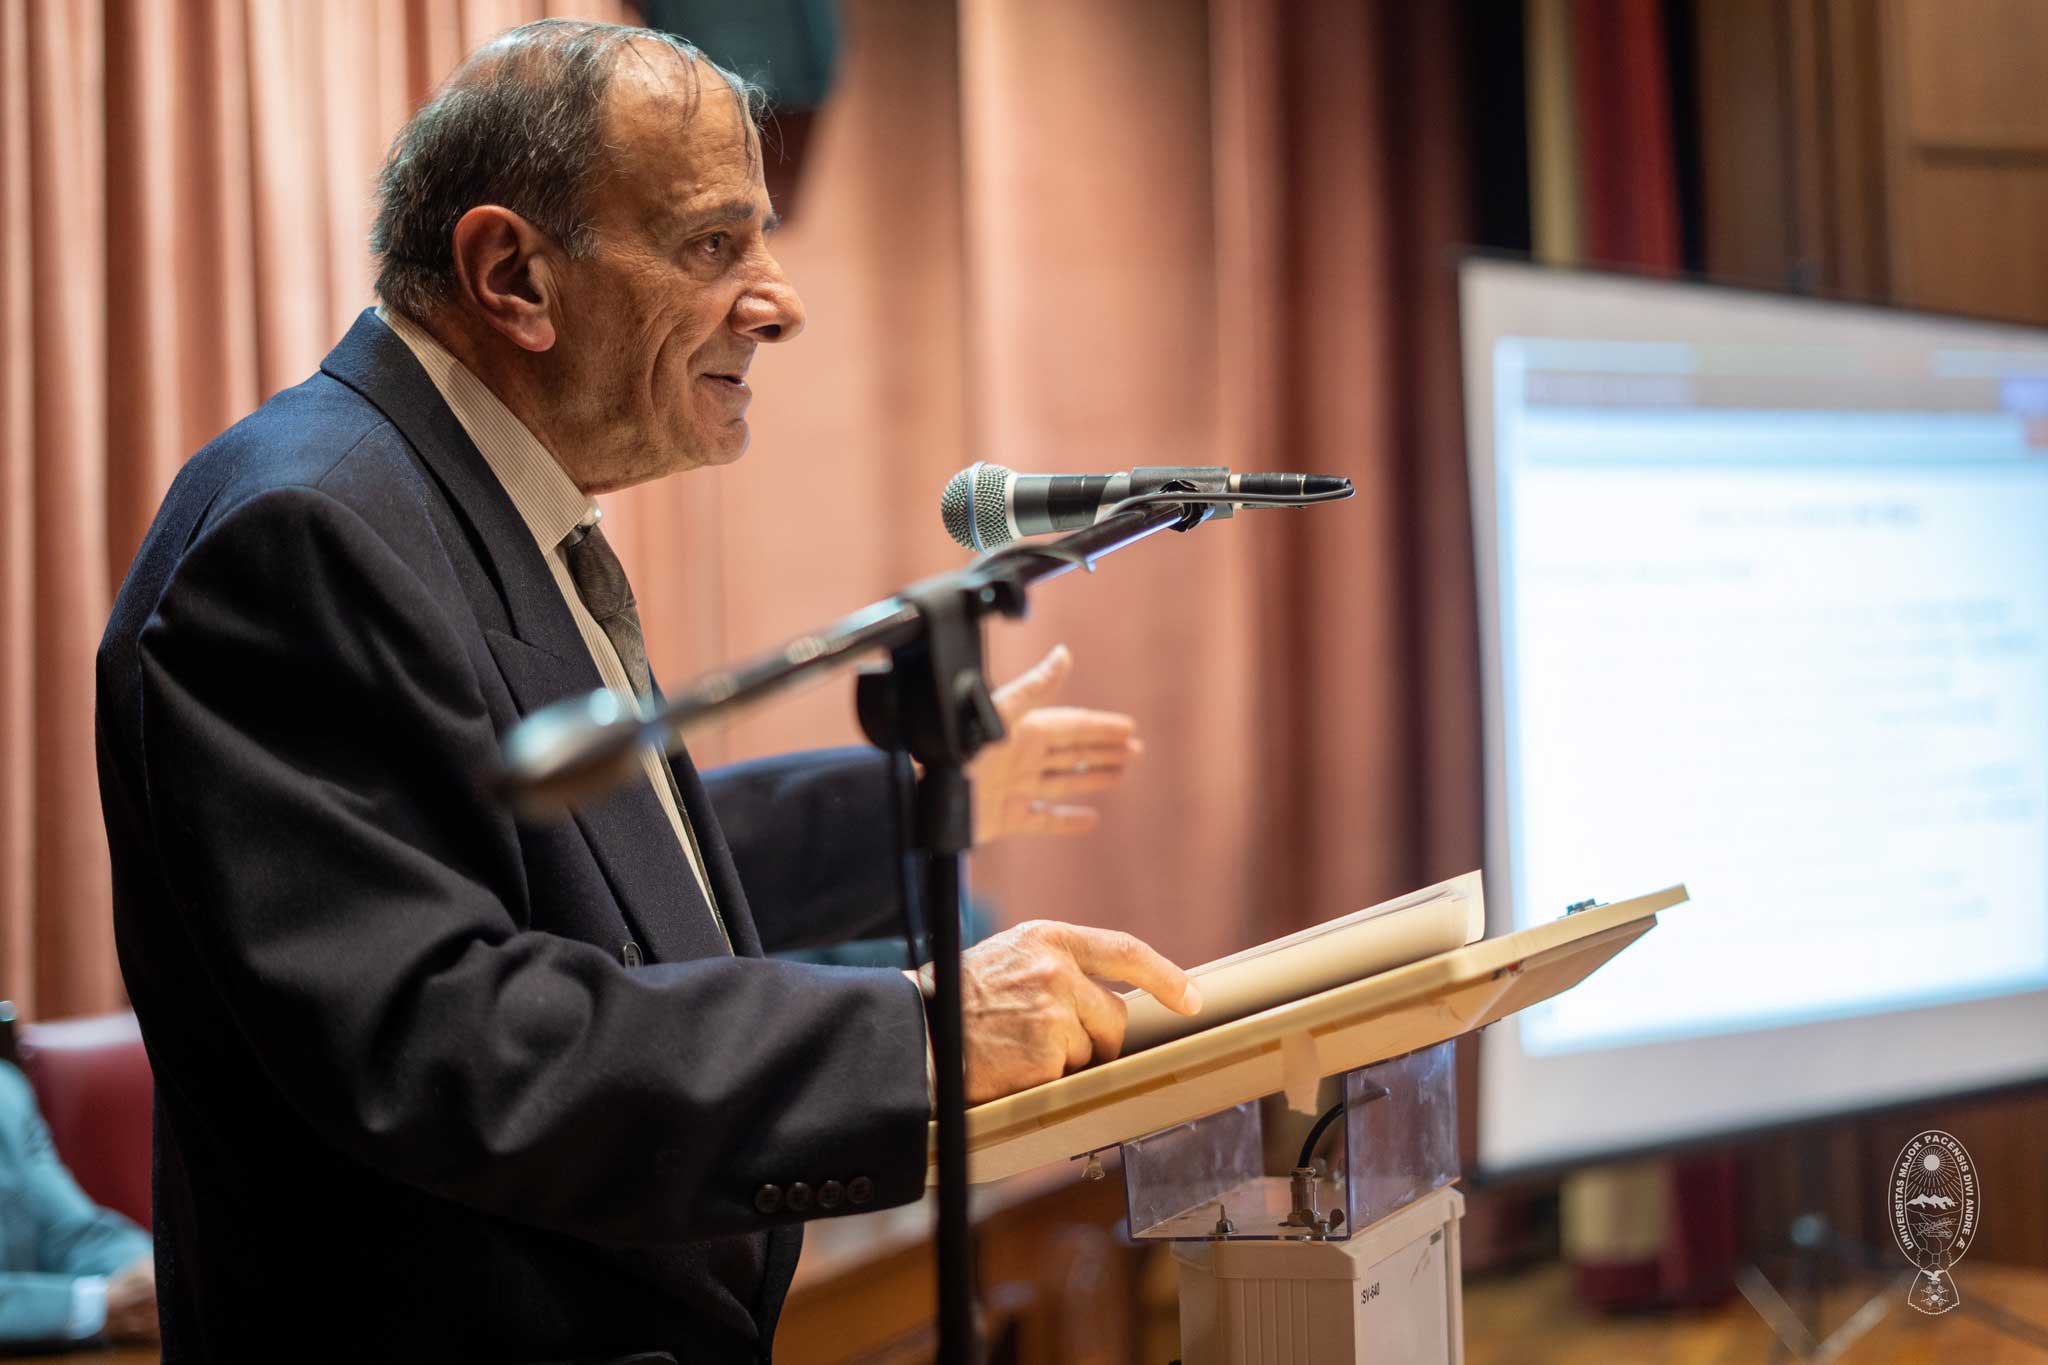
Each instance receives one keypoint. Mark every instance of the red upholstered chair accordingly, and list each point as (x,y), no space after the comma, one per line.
(92,1079)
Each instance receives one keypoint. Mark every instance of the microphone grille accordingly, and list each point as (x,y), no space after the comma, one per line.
(973,506)
(956,506)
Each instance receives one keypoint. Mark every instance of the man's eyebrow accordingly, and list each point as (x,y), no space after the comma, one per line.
(732,211)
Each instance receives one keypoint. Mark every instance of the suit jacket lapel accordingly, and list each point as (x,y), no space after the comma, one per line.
(547,661)
(375,363)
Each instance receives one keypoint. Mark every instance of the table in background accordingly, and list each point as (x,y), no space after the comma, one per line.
(106,1355)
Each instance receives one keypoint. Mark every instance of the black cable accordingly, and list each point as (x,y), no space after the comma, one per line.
(1315,1134)
(1138,500)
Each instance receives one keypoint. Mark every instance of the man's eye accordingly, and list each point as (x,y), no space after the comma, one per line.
(713,245)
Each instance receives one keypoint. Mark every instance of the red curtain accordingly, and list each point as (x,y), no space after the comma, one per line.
(1628,160)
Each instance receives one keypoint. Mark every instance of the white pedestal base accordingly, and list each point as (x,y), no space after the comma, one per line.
(1388,1295)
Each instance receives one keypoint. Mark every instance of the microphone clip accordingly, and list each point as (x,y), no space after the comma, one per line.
(1148,480)
(1202,504)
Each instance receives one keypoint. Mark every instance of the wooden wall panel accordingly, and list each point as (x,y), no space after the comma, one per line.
(1965,103)
(2005,1138)
(1975,233)
(1971,71)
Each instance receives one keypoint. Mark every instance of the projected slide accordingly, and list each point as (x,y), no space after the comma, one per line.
(1775,619)
(1763,590)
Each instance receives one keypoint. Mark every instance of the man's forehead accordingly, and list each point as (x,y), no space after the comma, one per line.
(680,138)
(664,105)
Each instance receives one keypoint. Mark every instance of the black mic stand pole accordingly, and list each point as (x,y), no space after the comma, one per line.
(933,704)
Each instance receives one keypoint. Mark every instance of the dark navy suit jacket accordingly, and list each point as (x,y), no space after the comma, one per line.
(412,1104)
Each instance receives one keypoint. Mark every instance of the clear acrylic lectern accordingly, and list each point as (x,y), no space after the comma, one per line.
(1352,1254)
(1351,1257)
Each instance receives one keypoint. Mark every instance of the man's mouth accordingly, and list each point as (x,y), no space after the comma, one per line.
(731,387)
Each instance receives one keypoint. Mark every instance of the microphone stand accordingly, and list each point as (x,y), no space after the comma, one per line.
(931,703)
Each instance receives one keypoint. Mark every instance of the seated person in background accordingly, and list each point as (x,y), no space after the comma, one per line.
(69,1269)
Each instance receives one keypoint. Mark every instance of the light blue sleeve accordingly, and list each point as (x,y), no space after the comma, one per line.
(38,1308)
(55,1241)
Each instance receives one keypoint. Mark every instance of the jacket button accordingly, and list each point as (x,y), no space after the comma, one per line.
(799,1197)
(831,1194)
(768,1198)
(860,1190)
(630,954)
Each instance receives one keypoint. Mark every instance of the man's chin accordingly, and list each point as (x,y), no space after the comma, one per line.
(685,453)
(727,446)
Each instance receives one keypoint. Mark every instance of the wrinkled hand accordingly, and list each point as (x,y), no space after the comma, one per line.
(131,1302)
(1030,1013)
(1023,784)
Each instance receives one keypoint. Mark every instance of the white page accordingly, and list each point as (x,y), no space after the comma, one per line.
(1321,957)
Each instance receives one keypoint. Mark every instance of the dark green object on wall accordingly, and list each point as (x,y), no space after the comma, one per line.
(789,47)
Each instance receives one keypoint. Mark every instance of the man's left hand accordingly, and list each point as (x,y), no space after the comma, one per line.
(1051,754)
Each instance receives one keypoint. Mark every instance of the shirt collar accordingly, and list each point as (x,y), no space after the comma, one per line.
(548,500)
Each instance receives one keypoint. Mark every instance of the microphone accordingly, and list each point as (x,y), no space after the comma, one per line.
(986,506)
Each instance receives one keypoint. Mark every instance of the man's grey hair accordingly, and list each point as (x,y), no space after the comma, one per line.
(520,124)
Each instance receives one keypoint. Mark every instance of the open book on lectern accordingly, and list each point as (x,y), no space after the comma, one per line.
(1321,957)
(1356,990)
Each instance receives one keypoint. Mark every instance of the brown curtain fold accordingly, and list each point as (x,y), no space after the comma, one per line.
(1377,780)
(54,852)
(1062,236)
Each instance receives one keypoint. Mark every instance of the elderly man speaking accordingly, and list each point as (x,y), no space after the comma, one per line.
(439,1085)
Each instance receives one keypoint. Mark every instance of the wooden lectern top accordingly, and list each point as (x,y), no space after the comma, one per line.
(1325,1034)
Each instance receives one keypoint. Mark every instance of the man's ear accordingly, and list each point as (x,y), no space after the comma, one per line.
(504,266)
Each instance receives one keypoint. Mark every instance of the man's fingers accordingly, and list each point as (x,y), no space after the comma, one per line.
(1082,759)
(1044,817)
(1036,684)
(1103,1014)
(1080,1045)
(1068,727)
(1054,783)
(1121,957)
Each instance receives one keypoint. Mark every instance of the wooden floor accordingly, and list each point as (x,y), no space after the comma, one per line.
(1530,1318)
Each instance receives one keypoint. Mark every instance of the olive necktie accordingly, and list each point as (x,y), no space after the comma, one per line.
(601,582)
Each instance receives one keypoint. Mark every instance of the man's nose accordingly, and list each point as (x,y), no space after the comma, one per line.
(770,309)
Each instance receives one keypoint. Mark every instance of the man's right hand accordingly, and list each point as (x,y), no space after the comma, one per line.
(1031,1012)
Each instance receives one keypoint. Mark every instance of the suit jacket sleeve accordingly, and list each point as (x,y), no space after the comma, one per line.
(312,727)
(845,809)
